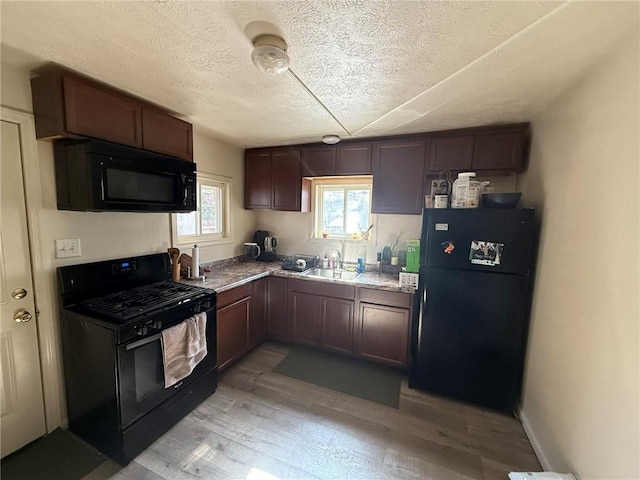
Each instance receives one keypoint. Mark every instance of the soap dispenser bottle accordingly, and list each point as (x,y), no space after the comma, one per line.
(360,267)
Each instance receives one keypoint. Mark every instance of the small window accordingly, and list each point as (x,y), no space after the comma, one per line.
(342,209)
(210,223)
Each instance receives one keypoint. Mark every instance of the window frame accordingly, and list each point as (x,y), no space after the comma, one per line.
(345,183)
(207,179)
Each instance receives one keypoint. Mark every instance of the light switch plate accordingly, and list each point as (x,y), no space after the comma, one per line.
(68,247)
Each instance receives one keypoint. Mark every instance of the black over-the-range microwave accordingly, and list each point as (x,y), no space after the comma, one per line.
(98,176)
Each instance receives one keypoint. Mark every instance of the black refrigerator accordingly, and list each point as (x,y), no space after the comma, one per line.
(472,305)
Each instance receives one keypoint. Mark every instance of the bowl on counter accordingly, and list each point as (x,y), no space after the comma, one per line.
(500,200)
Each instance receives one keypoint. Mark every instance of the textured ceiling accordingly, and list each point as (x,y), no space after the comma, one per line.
(381,67)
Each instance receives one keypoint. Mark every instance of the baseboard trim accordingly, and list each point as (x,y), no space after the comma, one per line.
(537,447)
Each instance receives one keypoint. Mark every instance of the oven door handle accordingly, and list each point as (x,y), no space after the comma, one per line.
(143,341)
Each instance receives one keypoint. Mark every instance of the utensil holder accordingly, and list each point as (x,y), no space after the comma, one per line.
(175,272)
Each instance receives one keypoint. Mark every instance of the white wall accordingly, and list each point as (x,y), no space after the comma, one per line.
(294,232)
(220,158)
(581,400)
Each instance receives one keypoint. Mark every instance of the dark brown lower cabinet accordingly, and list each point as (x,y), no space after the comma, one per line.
(382,330)
(277,323)
(337,324)
(373,325)
(383,334)
(234,315)
(258,323)
(321,315)
(305,314)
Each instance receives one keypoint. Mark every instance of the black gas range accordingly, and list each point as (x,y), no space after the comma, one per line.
(113,314)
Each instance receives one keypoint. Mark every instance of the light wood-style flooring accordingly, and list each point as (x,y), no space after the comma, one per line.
(263,426)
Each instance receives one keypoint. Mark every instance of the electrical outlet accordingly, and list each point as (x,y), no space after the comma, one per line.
(68,247)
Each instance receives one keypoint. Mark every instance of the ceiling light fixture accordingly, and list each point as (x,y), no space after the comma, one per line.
(270,54)
(331,139)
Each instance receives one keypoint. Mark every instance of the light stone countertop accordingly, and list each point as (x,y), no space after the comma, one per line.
(236,274)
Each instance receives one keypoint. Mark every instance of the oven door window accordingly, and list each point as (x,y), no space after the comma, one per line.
(141,377)
(128,186)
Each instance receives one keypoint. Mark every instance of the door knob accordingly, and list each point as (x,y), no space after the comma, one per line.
(22,316)
(19,293)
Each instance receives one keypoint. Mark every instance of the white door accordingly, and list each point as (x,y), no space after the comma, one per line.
(21,401)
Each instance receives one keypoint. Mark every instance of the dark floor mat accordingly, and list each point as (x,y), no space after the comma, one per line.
(59,455)
(376,383)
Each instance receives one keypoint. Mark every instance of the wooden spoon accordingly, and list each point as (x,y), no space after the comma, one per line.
(174,253)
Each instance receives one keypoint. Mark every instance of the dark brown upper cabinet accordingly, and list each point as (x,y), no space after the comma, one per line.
(400,165)
(66,104)
(453,152)
(398,176)
(166,134)
(120,120)
(353,159)
(500,150)
(257,180)
(330,160)
(490,150)
(286,176)
(273,180)
(319,161)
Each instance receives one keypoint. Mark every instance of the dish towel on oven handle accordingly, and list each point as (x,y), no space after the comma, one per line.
(183,346)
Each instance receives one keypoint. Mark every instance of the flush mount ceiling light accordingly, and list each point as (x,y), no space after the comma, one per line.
(270,54)
(330,139)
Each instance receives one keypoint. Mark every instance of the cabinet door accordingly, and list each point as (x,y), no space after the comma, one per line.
(304,315)
(319,161)
(337,324)
(287,180)
(453,152)
(498,150)
(233,331)
(166,134)
(353,159)
(277,324)
(259,318)
(257,180)
(94,112)
(398,176)
(382,334)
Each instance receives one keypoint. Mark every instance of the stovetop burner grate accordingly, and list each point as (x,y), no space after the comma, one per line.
(142,300)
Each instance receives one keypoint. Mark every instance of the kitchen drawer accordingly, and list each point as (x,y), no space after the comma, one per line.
(322,289)
(384,297)
(231,296)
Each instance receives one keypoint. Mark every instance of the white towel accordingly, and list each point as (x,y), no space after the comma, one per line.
(183,347)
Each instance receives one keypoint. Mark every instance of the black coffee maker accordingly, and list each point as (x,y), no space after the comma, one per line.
(267,246)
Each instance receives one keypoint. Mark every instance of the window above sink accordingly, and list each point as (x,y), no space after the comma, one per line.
(342,208)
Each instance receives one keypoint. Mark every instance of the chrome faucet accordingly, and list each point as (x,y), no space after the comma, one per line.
(338,264)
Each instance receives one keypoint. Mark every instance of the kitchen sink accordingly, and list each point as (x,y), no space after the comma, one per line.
(329,273)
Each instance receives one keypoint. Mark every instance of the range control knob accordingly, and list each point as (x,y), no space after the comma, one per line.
(141,330)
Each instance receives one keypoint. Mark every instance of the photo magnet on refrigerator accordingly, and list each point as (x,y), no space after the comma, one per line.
(485,253)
